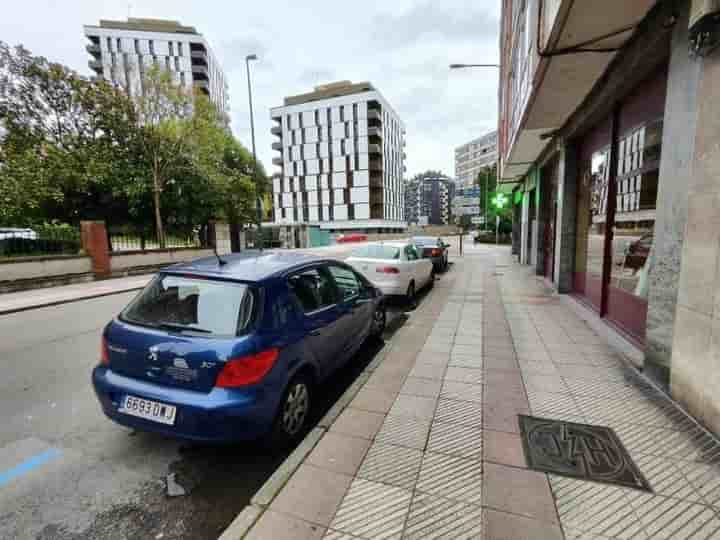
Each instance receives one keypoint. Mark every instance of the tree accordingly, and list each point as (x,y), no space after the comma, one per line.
(161,109)
(68,140)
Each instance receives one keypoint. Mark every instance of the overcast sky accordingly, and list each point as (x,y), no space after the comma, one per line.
(402,46)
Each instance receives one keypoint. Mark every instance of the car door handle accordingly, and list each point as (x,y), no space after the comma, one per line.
(315,332)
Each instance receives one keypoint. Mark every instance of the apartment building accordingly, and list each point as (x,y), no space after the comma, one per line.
(121,51)
(428,199)
(608,132)
(474,156)
(342,159)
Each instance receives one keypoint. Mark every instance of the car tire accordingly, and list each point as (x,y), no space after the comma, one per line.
(410,296)
(379,321)
(293,413)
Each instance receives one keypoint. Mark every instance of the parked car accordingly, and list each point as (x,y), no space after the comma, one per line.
(396,268)
(13,232)
(638,251)
(234,350)
(435,249)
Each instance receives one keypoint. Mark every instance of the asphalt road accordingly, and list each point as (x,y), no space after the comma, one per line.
(68,473)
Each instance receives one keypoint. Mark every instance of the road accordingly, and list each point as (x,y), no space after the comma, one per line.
(67,473)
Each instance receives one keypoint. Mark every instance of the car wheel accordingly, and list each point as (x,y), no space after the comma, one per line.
(410,296)
(294,412)
(379,321)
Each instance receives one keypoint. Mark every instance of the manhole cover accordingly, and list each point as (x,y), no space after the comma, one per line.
(579,450)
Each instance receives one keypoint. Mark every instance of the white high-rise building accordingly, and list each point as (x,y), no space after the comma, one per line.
(122,50)
(471,158)
(342,159)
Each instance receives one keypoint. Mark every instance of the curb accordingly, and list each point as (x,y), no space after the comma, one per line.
(67,300)
(249,515)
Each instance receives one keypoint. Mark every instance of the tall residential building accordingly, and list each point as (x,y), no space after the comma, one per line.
(341,159)
(472,157)
(122,50)
(428,198)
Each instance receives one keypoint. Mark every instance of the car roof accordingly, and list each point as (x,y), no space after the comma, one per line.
(247,266)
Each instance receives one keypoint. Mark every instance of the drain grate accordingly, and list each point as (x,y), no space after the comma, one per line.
(580,451)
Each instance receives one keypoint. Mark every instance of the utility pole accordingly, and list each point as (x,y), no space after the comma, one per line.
(258,202)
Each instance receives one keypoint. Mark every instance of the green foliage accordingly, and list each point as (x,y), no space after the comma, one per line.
(73,148)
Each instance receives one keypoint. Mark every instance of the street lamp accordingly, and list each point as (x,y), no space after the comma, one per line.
(258,206)
(463,66)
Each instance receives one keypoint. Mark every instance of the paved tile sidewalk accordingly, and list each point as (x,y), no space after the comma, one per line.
(35,298)
(430,446)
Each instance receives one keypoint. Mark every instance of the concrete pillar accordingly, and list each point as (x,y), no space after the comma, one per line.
(222,241)
(542,212)
(564,262)
(678,144)
(93,235)
(695,371)
(524,229)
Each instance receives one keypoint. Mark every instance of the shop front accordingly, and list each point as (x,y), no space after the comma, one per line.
(617,186)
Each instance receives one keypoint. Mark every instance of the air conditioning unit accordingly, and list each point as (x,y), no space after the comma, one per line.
(704,26)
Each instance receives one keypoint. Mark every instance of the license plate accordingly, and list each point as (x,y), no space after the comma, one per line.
(148,409)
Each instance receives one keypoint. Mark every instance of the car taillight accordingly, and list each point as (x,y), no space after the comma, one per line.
(387,270)
(104,353)
(434,252)
(246,369)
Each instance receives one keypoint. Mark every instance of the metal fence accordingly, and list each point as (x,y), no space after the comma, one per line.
(39,241)
(123,241)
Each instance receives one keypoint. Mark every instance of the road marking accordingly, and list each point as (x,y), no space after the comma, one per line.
(28,465)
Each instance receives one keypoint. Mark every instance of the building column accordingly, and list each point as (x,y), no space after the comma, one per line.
(542,212)
(678,144)
(695,372)
(93,235)
(524,232)
(564,263)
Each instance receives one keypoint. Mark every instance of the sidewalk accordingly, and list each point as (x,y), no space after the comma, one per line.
(50,296)
(430,446)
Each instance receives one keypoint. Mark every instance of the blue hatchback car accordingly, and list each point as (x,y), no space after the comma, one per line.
(233,349)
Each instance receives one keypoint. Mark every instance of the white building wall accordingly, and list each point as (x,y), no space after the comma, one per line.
(333,135)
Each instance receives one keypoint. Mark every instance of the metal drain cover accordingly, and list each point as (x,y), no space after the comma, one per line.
(580,451)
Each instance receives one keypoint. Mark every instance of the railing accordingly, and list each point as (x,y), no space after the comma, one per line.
(39,241)
(119,242)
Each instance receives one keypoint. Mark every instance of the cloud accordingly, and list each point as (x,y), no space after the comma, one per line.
(232,53)
(432,19)
(313,77)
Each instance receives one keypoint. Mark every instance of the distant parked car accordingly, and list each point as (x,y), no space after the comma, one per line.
(396,268)
(435,249)
(638,251)
(235,351)
(354,237)
(11,232)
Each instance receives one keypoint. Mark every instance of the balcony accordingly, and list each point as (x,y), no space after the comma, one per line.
(276,130)
(277,146)
(277,161)
(374,115)
(200,72)
(546,90)
(374,132)
(96,66)
(374,149)
(375,165)
(198,55)
(93,48)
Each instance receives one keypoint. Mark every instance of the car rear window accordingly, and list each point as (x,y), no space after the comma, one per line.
(377,251)
(195,305)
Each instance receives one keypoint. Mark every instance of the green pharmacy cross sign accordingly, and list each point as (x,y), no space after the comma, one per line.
(500,200)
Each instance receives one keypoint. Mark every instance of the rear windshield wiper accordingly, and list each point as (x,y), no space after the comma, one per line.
(182,328)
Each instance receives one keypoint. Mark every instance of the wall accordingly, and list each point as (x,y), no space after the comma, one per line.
(27,268)
(123,262)
(678,143)
(695,372)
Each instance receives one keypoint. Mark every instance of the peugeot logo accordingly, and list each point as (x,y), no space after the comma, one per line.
(152,355)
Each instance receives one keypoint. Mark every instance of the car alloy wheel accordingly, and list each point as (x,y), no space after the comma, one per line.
(379,321)
(296,407)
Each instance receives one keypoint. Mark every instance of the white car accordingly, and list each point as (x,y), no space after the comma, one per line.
(7,232)
(396,268)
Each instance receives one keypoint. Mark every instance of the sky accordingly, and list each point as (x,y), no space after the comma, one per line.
(402,46)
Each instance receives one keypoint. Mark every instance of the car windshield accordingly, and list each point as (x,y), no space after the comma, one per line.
(377,251)
(186,304)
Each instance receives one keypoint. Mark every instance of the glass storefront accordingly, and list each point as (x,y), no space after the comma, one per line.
(614,227)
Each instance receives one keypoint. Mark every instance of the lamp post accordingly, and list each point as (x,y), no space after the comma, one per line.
(464,66)
(258,205)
